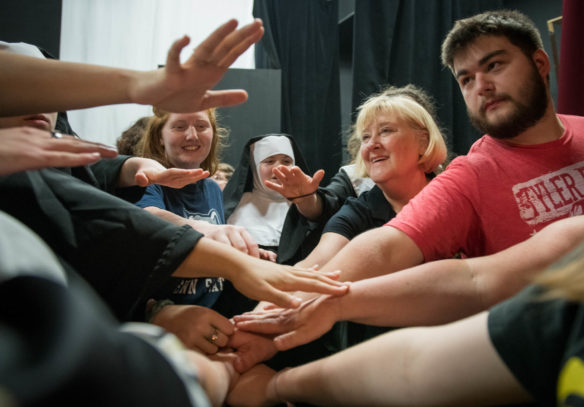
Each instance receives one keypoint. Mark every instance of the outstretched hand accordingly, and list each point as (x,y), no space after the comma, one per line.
(293,327)
(199,328)
(28,148)
(235,236)
(294,182)
(250,349)
(182,88)
(171,177)
(267,281)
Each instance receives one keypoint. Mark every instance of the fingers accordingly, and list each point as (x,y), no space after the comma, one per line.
(237,237)
(280,298)
(211,341)
(238,42)
(274,187)
(173,56)
(74,145)
(268,255)
(316,178)
(206,48)
(230,97)
(274,323)
(223,325)
(310,281)
(291,340)
(317,286)
(252,247)
(59,159)
(172,177)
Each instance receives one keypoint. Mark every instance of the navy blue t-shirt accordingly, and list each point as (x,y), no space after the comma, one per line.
(200,201)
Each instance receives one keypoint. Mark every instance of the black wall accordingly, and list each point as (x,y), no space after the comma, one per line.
(260,114)
(36,22)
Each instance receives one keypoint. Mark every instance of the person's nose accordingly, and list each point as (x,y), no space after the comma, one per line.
(191,133)
(484,83)
(373,142)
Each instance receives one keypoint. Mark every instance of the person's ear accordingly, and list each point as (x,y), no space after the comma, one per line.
(542,62)
(423,141)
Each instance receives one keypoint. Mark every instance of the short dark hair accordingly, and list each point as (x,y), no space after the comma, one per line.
(515,26)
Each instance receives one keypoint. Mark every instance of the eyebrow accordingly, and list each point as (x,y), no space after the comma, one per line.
(482,61)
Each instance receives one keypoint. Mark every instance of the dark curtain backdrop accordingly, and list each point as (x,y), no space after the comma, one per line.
(302,39)
(571,75)
(398,42)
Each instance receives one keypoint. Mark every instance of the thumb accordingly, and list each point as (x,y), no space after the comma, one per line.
(291,340)
(317,177)
(280,298)
(141,179)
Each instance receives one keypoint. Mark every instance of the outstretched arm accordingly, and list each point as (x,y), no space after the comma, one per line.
(376,252)
(255,278)
(145,171)
(416,366)
(32,85)
(432,293)
(329,245)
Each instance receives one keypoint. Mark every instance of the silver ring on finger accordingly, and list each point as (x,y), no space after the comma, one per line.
(56,134)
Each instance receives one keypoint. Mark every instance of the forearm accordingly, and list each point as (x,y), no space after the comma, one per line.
(445,290)
(329,245)
(30,85)
(310,207)
(214,259)
(418,366)
(376,252)
(167,216)
(428,294)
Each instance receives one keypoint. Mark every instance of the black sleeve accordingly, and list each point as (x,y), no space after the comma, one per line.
(60,348)
(357,215)
(334,195)
(124,252)
(107,174)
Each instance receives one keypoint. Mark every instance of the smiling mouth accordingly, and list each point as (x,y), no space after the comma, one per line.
(377,159)
(191,148)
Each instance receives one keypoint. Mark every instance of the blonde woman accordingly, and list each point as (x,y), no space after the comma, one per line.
(401,150)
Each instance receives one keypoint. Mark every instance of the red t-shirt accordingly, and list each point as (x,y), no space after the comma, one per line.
(498,195)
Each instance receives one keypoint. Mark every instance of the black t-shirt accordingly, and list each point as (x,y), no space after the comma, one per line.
(357,215)
(542,343)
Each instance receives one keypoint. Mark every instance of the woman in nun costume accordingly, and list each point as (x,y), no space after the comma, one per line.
(248,202)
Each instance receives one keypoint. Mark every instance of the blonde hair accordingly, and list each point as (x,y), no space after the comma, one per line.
(151,147)
(412,105)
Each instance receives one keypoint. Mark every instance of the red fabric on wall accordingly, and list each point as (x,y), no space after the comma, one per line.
(571,73)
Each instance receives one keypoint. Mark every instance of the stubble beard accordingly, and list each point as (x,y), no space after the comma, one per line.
(522,116)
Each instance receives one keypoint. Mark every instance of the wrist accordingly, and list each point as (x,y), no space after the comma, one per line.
(298,198)
(335,304)
(273,392)
(153,308)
